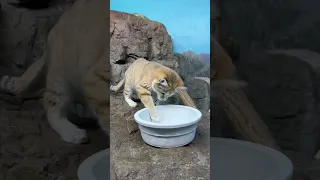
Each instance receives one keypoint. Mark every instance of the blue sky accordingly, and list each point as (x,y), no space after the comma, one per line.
(187,21)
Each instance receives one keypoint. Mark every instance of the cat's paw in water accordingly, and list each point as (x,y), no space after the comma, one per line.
(155,119)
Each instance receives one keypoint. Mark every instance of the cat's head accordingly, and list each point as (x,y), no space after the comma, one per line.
(166,85)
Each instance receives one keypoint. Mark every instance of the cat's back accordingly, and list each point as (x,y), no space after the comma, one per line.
(79,38)
(137,66)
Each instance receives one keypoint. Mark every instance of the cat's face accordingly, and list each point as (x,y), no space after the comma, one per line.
(166,87)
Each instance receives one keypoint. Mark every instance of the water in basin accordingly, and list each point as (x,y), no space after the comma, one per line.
(171,116)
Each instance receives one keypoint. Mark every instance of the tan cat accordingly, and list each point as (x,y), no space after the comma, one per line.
(76,67)
(144,76)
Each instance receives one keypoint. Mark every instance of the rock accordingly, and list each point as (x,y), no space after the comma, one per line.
(271,24)
(199,91)
(284,89)
(191,65)
(140,15)
(25,33)
(132,36)
(133,159)
(205,57)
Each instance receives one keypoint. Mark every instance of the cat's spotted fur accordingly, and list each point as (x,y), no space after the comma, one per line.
(142,77)
(76,68)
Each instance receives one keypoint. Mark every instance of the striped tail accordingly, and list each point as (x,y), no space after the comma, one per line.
(186,99)
(18,85)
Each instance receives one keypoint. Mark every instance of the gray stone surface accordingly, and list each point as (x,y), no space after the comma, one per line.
(200,92)
(134,159)
(284,88)
(24,35)
(192,65)
(31,150)
(272,24)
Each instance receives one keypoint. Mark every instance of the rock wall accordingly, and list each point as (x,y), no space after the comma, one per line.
(272,24)
(24,34)
(277,43)
(134,36)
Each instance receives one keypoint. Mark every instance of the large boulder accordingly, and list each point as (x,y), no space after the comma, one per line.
(192,65)
(284,88)
(271,24)
(24,33)
(133,36)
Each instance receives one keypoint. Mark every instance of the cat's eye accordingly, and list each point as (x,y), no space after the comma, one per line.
(163,80)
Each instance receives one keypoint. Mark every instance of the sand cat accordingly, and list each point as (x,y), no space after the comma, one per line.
(144,76)
(76,64)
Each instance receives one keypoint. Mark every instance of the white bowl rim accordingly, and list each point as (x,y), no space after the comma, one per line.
(285,165)
(161,126)
(84,172)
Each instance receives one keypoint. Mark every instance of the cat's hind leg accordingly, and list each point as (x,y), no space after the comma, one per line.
(127,93)
(56,102)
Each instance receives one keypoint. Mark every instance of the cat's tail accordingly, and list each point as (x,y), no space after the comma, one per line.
(186,99)
(18,85)
(118,87)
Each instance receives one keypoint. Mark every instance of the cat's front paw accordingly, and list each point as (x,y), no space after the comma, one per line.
(155,119)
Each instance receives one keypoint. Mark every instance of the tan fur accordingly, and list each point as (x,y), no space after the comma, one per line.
(222,66)
(222,71)
(144,76)
(77,68)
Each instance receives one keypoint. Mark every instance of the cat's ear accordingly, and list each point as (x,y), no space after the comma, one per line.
(181,88)
(163,82)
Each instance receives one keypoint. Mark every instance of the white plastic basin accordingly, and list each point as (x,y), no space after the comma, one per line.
(95,167)
(240,160)
(177,126)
